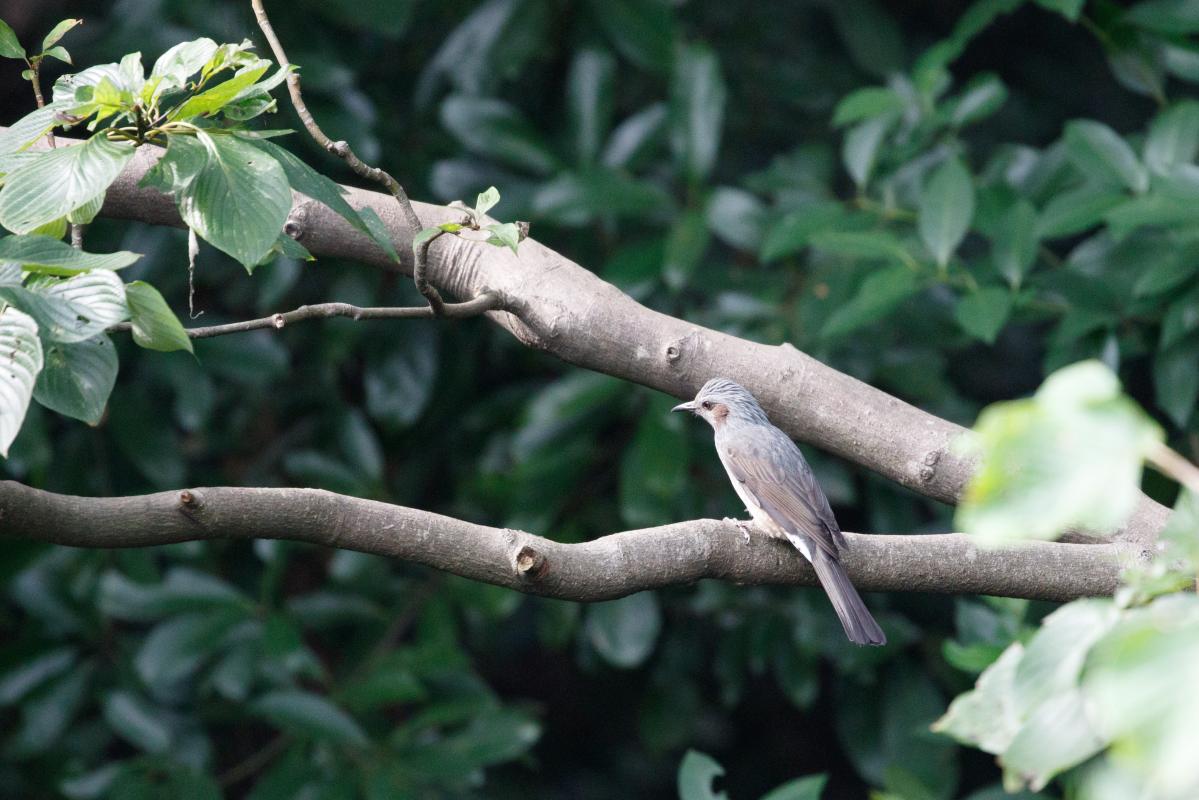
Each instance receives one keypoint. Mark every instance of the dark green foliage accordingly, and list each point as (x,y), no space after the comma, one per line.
(947,209)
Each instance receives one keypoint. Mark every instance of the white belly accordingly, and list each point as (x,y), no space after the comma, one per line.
(763,520)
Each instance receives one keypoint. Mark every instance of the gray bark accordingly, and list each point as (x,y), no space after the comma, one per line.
(605,568)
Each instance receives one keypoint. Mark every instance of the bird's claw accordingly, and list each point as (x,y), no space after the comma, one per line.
(742,525)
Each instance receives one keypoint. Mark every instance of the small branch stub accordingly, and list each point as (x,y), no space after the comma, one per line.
(189,499)
(530,563)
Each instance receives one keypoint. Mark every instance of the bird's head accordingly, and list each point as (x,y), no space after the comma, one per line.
(720,400)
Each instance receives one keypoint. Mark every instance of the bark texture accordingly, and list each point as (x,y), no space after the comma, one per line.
(602,569)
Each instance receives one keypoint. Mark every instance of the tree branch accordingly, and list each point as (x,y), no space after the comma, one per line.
(605,568)
(471,308)
(342,150)
(554,305)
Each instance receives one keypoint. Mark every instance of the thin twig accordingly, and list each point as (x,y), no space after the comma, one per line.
(342,150)
(1171,463)
(484,302)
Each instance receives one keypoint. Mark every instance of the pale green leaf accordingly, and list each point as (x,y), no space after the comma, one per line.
(59,181)
(697,105)
(20,363)
(982,313)
(1173,137)
(155,326)
(625,631)
(946,209)
(696,773)
(53,257)
(1098,151)
(57,32)
(9,46)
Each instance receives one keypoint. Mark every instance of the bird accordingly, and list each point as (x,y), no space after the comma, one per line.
(773,479)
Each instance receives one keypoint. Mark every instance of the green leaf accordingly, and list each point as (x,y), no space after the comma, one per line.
(737,217)
(77,378)
(503,235)
(625,631)
(982,97)
(867,103)
(860,149)
(1075,211)
(492,128)
(28,129)
(1067,458)
(485,202)
(308,715)
(879,295)
(155,326)
(59,181)
(686,244)
(644,31)
(213,100)
(1098,151)
(1059,734)
(1165,275)
(1170,17)
(636,138)
(53,257)
(1070,9)
(1182,317)
(878,245)
(1173,137)
(946,209)
(806,788)
(1176,380)
(871,35)
(32,673)
(304,179)
(589,90)
(983,313)
(175,66)
(74,309)
(137,722)
(60,53)
(697,102)
(20,363)
(792,233)
(654,468)
(696,773)
(9,46)
(228,191)
(1014,249)
(986,717)
(57,32)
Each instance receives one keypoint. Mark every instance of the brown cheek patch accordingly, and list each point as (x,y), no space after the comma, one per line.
(719,412)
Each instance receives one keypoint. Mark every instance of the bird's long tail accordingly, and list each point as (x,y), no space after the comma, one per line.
(859,625)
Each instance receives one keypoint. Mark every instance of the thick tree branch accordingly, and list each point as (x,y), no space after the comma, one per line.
(605,568)
(555,305)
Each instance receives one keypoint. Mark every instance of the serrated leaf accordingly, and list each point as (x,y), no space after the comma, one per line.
(696,773)
(9,46)
(53,257)
(59,181)
(20,363)
(1098,151)
(155,326)
(77,378)
(308,715)
(946,209)
(57,32)
(983,313)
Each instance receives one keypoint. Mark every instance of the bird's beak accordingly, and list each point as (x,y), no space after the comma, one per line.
(688,406)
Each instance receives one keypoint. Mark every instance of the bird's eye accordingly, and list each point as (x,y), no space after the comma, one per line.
(707,404)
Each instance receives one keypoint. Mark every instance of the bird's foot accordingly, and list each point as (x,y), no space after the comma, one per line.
(743,526)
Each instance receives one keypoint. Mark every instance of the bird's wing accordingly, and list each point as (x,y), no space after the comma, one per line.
(774,472)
